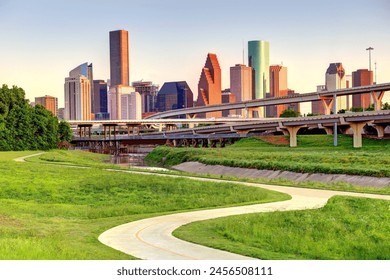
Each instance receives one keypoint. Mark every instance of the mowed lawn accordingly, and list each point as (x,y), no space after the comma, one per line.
(58,212)
(345,229)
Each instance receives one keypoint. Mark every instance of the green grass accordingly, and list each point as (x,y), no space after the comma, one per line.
(315,154)
(346,228)
(57,212)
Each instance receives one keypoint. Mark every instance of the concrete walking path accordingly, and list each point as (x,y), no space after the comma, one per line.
(152,238)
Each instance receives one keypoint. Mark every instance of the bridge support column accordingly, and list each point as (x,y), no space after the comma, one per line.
(327,102)
(293,131)
(377,97)
(328,129)
(190,116)
(357,133)
(243,133)
(380,129)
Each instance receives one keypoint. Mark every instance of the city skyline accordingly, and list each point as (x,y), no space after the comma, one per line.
(44,40)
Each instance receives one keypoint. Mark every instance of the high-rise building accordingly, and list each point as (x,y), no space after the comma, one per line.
(131,106)
(100,103)
(49,102)
(361,77)
(209,86)
(174,95)
(78,94)
(258,59)
(114,100)
(294,106)
(119,58)
(335,79)
(241,83)
(228,97)
(316,106)
(278,88)
(148,93)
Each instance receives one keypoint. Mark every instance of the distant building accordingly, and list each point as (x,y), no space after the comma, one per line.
(119,58)
(209,86)
(174,95)
(258,59)
(278,88)
(78,93)
(100,102)
(294,106)
(241,83)
(228,97)
(335,79)
(131,106)
(61,113)
(316,106)
(148,93)
(114,100)
(362,77)
(49,102)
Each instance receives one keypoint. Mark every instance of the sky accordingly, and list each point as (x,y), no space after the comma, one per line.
(42,40)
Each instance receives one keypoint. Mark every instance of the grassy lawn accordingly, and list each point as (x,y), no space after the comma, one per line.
(315,154)
(57,212)
(346,228)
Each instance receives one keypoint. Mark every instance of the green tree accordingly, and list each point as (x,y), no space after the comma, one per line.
(289,113)
(386,106)
(64,132)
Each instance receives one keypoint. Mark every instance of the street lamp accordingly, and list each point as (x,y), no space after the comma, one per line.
(369,49)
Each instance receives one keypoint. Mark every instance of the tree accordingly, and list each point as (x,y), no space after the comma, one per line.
(289,113)
(386,106)
(64,132)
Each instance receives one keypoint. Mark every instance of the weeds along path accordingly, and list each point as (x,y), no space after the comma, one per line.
(152,238)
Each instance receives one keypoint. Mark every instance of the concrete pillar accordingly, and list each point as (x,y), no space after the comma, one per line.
(191,125)
(327,102)
(190,116)
(80,134)
(243,133)
(357,133)
(380,129)
(160,127)
(293,131)
(377,99)
(90,131)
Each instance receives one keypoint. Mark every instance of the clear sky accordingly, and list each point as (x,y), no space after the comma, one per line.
(42,40)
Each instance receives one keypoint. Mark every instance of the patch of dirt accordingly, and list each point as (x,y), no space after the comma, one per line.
(6,221)
(276,140)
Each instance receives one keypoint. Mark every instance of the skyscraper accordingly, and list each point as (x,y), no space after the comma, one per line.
(241,83)
(78,94)
(278,88)
(131,106)
(361,77)
(100,103)
(209,86)
(258,59)
(335,79)
(174,95)
(119,58)
(148,93)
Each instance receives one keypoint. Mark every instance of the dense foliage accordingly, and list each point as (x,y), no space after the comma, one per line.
(23,127)
(289,113)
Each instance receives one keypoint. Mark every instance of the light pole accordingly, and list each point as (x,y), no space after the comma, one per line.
(369,49)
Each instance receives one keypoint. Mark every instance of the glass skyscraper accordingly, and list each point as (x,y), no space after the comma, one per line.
(258,59)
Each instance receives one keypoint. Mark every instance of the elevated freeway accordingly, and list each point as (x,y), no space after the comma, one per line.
(376,91)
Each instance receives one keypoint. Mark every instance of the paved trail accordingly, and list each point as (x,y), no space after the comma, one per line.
(152,238)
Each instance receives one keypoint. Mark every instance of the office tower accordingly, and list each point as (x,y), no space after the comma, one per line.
(114,100)
(49,102)
(278,88)
(78,94)
(174,95)
(241,82)
(334,80)
(361,77)
(131,106)
(148,93)
(317,108)
(258,59)
(100,102)
(209,86)
(119,58)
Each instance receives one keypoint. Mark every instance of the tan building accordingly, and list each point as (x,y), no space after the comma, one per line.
(49,102)
(278,88)
(241,83)
(362,77)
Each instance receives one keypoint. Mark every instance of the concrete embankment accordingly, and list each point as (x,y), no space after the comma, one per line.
(196,167)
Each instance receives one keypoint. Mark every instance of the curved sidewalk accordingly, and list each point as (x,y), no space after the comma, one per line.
(152,238)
